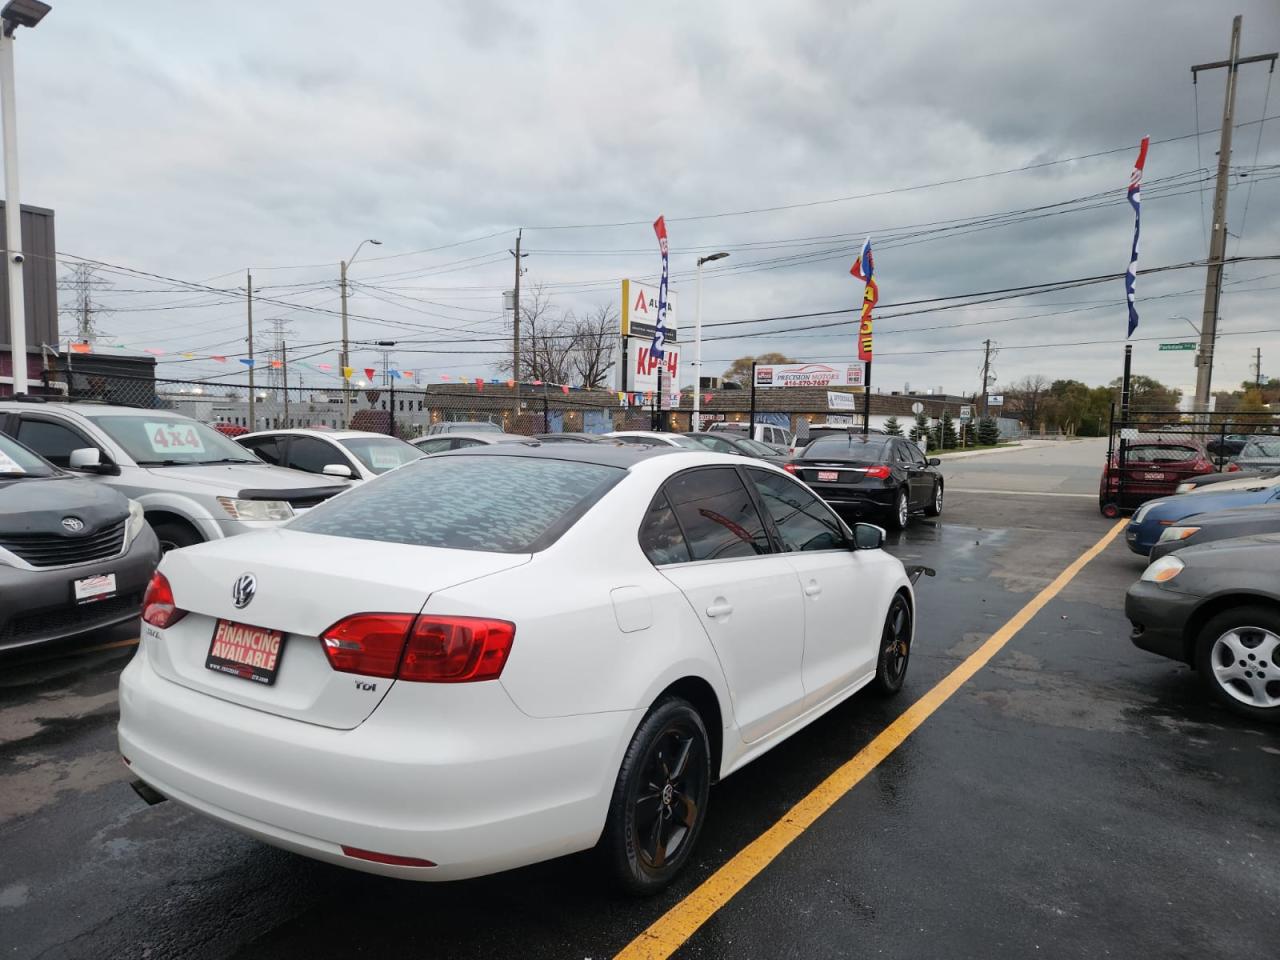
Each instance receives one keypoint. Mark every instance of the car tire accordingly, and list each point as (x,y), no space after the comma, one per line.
(935,506)
(900,513)
(895,648)
(1236,655)
(659,800)
(173,534)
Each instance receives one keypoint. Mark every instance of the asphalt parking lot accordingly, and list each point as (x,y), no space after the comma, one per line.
(1075,798)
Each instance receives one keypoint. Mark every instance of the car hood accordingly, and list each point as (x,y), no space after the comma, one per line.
(231,478)
(39,505)
(1242,555)
(1260,513)
(1205,501)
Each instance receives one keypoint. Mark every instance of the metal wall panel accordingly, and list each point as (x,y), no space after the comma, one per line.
(39,278)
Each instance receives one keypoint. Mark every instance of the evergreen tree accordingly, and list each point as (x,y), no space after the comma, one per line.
(920,430)
(892,427)
(988,431)
(946,432)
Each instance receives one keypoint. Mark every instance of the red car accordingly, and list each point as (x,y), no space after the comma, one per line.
(1153,467)
(230,429)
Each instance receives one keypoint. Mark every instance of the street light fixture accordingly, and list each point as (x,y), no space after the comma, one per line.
(344,361)
(15,14)
(697,342)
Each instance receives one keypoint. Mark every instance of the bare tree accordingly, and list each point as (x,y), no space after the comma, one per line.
(546,339)
(1026,396)
(595,339)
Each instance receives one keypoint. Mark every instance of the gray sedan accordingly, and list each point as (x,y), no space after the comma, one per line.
(1259,453)
(1219,525)
(1217,608)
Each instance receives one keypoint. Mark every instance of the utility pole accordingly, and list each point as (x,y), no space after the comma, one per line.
(515,323)
(1257,367)
(284,370)
(248,304)
(345,359)
(986,372)
(1218,236)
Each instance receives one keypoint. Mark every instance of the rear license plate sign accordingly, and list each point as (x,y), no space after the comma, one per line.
(250,653)
(92,589)
(828,476)
(1153,476)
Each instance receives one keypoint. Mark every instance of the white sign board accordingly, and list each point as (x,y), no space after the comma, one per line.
(966,412)
(642,368)
(840,420)
(841,401)
(996,400)
(639,311)
(810,375)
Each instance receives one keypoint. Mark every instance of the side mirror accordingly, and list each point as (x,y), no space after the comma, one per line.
(89,459)
(867,536)
(337,470)
(935,462)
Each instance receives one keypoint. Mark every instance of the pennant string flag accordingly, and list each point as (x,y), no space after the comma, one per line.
(657,350)
(247,362)
(863,268)
(347,373)
(369,372)
(1135,201)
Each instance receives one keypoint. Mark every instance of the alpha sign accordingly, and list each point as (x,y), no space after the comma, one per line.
(642,366)
(639,312)
(810,375)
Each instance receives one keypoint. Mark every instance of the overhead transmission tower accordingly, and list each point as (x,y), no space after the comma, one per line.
(79,309)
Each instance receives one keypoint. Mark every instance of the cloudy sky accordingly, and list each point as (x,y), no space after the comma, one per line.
(277,136)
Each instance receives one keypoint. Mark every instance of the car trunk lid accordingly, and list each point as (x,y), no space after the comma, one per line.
(304,584)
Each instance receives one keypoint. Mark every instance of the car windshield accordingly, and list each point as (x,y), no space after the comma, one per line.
(841,446)
(497,504)
(17,461)
(381,454)
(1262,448)
(165,440)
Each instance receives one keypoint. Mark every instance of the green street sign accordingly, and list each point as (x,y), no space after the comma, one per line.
(1177,346)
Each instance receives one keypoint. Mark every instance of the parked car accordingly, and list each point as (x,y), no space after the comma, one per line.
(780,438)
(194,483)
(463,426)
(567,437)
(459,440)
(1219,525)
(75,556)
(1259,453)
(1217,608)
(653,438)
(229,429)
(1153,467)
(739,446)
(348,685)
(1230,473)
(1149,522)
(883,476)
(348,454)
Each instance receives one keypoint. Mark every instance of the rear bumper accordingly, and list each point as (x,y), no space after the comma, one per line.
(868,499)
(36,606)
(1159,618)
(450,773)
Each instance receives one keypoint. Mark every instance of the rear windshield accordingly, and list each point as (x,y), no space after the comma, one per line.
(497,504)
(381,454)
(1149,453)
(843,446)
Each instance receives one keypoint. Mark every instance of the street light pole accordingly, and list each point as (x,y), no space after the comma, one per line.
(697,342)
(16,13)
(344,361)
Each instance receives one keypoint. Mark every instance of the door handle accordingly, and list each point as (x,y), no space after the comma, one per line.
(812,588)
(719,608)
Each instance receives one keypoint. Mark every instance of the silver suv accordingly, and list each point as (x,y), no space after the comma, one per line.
(193,483)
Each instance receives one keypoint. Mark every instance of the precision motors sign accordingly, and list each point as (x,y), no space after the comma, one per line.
(810,375)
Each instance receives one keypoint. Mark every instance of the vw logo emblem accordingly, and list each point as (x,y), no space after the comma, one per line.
(72,524)
(243,589)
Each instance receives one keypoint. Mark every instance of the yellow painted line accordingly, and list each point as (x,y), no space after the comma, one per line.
(666,934)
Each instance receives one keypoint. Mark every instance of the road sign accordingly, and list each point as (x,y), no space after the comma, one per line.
(995,400)
(917,407)
(966,412)
(1177,346)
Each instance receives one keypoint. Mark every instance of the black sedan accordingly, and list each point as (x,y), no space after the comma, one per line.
(1218,525)
(1217,608)
(75,556)
(886,477)
(723,442)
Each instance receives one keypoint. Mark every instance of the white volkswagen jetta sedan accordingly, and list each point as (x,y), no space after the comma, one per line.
(508,653)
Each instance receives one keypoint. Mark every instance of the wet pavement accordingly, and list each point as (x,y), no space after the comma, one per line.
(1077,798)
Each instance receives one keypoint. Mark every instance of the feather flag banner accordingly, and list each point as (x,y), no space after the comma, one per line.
(864,268)
(658,350)
(1135,201)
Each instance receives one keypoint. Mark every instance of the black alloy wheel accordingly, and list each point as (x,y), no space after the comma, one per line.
(895,648)
(660,798)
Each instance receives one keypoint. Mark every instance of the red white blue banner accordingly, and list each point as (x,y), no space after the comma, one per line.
(1135,201)
(660,326)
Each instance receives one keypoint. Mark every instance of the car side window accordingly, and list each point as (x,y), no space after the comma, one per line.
(312,455)
(266,448)
(804,522)
(434,445)
(661,538)
(902,454)
(717,514)
(53,441)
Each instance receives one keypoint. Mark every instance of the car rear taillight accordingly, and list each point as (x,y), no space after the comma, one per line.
(457,649)
(880,473)
(367,643)
(1232,467)
(1202,466)
(425,649)
(158,607)
(789,467)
